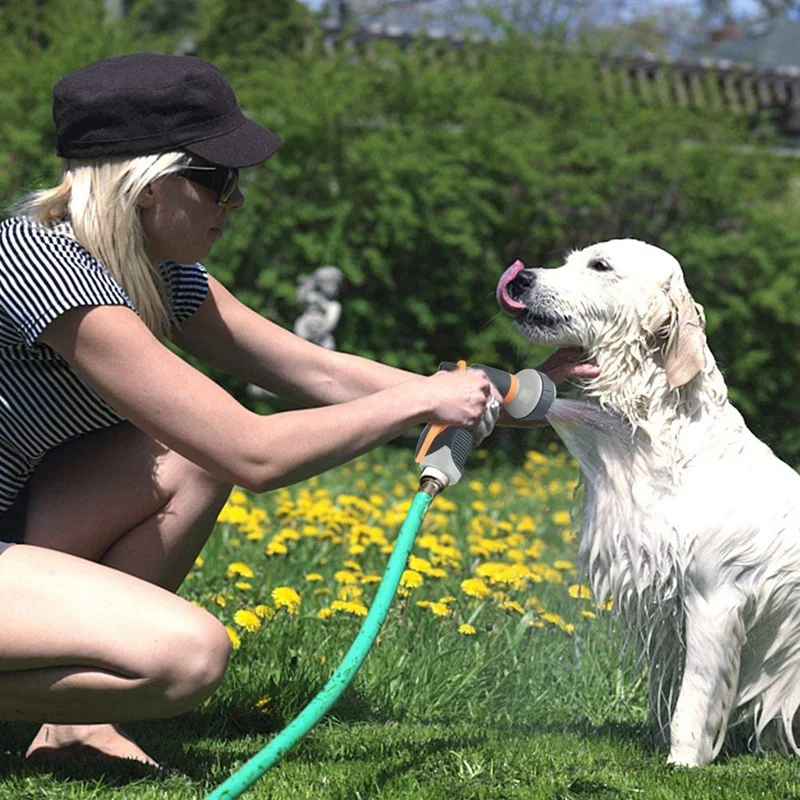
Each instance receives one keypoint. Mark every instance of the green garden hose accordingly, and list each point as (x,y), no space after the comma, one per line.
(252,770)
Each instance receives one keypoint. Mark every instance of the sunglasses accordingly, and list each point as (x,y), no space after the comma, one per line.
(221,180)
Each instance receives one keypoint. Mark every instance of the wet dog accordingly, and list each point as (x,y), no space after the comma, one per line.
(689,522)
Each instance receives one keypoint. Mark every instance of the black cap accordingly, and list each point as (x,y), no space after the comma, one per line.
(144,103)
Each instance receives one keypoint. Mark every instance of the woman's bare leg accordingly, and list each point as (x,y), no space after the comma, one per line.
(121,499)
(83,644)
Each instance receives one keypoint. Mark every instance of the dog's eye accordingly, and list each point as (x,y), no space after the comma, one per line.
(598,265)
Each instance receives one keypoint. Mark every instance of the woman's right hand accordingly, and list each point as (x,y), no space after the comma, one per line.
(458,398)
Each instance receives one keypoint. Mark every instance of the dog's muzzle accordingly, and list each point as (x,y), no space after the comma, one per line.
(510,288)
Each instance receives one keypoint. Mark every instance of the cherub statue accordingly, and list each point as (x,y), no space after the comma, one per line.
(318,293)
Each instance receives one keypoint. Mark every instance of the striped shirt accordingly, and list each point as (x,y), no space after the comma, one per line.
(44,272)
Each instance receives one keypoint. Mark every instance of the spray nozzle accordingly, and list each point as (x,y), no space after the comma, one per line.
(442,451)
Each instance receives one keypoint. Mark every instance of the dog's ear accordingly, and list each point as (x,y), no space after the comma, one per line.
(684,347)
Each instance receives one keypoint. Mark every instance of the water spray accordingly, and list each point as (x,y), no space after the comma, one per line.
(441,453)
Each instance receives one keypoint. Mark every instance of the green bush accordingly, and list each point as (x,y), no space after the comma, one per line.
(424,172)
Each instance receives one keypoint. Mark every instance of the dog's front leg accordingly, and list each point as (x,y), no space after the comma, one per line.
(714,638)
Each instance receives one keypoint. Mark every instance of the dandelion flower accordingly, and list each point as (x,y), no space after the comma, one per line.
(233,515)
(467,630)
(561,518)
(262,704)
(344,576)
(276,548)
(238,568)
(265,612)
(313,576)
(475,587)
(325,613)
(198,562)
(236,640)
(580,592)
(247,619)
(440,609)
(410,579)
(286,597)
(237,498)
(511,605)
(353,607)
(243,586)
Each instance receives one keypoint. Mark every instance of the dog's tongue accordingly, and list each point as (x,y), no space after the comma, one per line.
(506,302)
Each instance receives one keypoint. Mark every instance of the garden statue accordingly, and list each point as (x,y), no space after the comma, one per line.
(318,293)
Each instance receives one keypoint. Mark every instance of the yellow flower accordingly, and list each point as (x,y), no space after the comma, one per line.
(511,605)
(198,562)
(286,597)
(325,613)
(262,704)
(344,576)
(589,614)
(349,592)
(561,518)
(440,609)
(410,579)
(243,586)
(236,640)
(233,515)
(478,505)
(265,612)
(563,565)
(474,587)
(247,619)
(313,576)
(419,564)
(350,606)
(580,592)
(535,457)
(276,548)
(238,568)
(467,630)
(237,498)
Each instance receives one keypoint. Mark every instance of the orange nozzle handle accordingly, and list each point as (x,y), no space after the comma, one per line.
(434,430)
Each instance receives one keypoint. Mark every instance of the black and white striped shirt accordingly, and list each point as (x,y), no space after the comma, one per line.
(44,272)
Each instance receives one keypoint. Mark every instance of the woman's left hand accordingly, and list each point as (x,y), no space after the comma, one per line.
(567,363)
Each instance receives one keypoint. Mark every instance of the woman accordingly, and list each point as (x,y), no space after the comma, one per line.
(116,455)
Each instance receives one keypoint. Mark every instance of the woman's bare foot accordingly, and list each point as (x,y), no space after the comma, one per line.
(85,741)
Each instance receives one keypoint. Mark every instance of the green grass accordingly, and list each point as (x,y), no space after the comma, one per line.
(537,703)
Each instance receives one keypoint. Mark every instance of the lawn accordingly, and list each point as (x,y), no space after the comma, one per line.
(496,674)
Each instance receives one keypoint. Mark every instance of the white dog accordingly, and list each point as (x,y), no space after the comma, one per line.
(689,522)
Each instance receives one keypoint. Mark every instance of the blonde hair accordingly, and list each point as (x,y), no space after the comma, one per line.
(99,197)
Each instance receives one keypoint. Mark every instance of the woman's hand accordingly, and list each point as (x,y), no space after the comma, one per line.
(567,363)
(462,399)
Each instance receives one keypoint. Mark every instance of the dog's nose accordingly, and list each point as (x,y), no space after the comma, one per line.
(522,282)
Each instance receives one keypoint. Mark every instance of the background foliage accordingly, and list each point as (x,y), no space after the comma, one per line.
(423,173)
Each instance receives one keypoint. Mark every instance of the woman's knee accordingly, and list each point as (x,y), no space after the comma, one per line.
(201,486)
(197,649)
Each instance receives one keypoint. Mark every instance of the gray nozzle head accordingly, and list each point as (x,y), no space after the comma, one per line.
(534,397)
